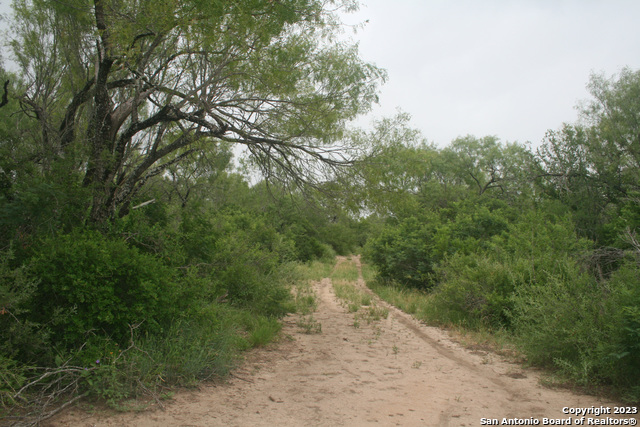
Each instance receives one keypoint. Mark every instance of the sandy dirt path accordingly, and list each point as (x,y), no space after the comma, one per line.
(394,371)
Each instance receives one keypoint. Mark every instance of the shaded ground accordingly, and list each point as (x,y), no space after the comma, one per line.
(395,371)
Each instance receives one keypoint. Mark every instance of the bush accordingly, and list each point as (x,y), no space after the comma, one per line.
(410,251)
(202,346)
(475,290)
(241,256)
(477,287)
(93,284)
(623,325)
(588,330)
(21,338)
(12,378)
(404,252)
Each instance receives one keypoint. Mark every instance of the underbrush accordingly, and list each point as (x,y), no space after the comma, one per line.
(129,313)
(204,346)
(565,304)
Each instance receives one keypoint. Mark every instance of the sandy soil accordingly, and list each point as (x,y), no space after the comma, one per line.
(391,372)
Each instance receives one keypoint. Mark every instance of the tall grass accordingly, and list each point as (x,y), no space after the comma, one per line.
(313,270)
(345,270)
(346,291)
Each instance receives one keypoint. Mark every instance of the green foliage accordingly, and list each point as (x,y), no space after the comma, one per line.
(264,331)
(40,205)
(92,284)
(315,223)
(481,233)
(307,246)
(587,330)
(627,295)
(405,252)
(592,167)
(475,290)
(12,378)
(400,162)
(477,287)
(128,246)
(550,261)
(97,67)
(486,164)
(404,174)
(21,337)
(202,346)
(410,251)
(241,254)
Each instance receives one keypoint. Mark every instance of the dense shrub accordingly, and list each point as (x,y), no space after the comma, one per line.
(588,330)
(478,286)
(475,290)
(89,283)
(404,252)
(409,251)
(21,338)
(241,256)
(625,307)
(154,299)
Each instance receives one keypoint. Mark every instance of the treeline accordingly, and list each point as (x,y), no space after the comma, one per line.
(538,242)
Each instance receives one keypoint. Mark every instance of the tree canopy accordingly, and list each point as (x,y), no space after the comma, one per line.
(130,88)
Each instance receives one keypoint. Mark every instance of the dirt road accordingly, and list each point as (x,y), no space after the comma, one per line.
(394,371)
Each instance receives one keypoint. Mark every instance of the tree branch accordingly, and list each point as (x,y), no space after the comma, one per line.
(5,95)
(67,127)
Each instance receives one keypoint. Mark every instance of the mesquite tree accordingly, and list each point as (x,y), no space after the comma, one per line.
(128,88)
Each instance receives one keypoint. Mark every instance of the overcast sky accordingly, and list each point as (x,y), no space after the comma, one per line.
(494,67)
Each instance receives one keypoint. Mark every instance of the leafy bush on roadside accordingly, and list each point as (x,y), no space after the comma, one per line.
(589,330)
(144,305)
(411,250)
(404,252)
(91,284)
(478,288)
(475,290)
(241,256)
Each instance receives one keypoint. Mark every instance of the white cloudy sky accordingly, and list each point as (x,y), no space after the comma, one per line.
(510,68)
